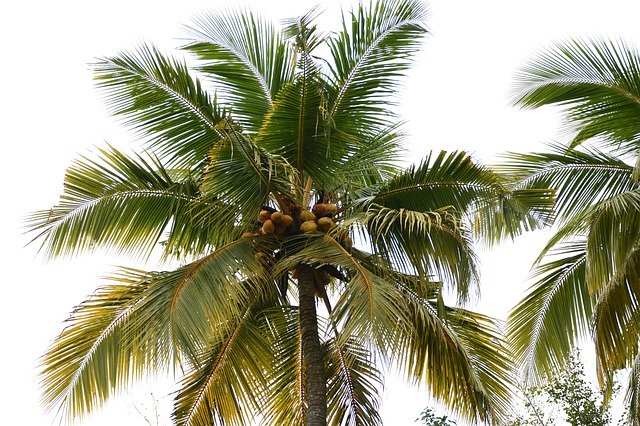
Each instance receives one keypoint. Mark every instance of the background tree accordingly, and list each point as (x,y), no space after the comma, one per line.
(429,418)
(566,397)
(588,275)
(258,192)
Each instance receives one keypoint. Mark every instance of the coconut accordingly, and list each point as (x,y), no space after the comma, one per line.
(268,227)
(306,216)
(319,208)
(276,217)
(287,220)
(246,234)
(264,215)
(324,223)
(331,208)
(308,226)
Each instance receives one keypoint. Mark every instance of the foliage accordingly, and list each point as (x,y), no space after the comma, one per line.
(428,418)
(258,191)
(567,397)
(587,278)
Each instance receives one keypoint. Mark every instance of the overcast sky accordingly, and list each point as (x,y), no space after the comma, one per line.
(457,97)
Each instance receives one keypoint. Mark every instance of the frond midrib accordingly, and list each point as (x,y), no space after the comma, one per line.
(79,208)
(175,94)
(266,91)
(541,174)
(193,269)
(435,184)
(360,63)
(121,317)
(530,352)
(219,361)
(573,80)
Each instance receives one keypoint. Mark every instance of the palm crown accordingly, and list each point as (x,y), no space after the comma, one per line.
(260,190)
(587,277)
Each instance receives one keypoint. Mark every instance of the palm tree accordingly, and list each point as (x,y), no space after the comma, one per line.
(587,277)
(259,202)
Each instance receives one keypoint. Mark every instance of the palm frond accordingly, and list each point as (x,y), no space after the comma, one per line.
(580,178)
(427,243)
(513,213)
(596,81)
(440,180)
(74,377)
(303,33)
(284,401)
(368,305)
(461,356)
(226,385)
(371,161)
(616,321)
(354,384)
(374,48)
(157,97)
(241,174)
(486,199)
(128,203)
(614,231)
(143,321)
(293,129)
(555,312)
(246,58)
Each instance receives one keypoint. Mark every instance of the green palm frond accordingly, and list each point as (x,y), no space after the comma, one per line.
(427,243)
(241,174)
(143,321)
(440,180)
(373,50)
(284,401)
(598,83)
(293,129)
(247,60)
(367,305)
(303,33)
(158,98)
(371,162)
(614,231)
(555,312)
(580,178)
(513,213)
(128,203)
(354,384)
(473,374)
(226,385)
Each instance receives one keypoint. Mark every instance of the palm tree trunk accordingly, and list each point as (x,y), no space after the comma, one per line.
(313,364)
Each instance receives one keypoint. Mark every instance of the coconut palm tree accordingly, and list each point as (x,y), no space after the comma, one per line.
(258,192)
(587,277)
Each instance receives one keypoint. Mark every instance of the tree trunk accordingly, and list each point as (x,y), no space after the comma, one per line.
(313,364)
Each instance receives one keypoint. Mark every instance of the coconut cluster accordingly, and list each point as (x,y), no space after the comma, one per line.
(319,218)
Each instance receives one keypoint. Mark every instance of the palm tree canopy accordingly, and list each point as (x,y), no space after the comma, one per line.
(587,279)
(308,146)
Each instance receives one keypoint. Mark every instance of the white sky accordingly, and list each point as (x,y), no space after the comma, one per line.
(456,98)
